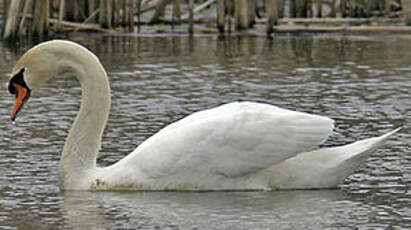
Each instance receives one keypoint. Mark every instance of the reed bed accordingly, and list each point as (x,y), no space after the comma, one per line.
(42,17)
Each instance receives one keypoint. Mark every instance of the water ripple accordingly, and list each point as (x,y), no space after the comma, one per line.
(363,84)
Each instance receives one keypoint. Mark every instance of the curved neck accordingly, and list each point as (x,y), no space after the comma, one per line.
(84,139)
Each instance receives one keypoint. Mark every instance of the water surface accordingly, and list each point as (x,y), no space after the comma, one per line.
(364,83)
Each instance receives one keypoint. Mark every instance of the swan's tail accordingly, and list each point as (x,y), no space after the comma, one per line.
(326,167)
(353,155)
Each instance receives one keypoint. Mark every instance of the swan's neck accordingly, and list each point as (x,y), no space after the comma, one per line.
(84,139)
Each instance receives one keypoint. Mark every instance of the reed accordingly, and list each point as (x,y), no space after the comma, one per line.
(241,14)
(12,19)
(220,16)
(191,16)
(34,17)
(406,8)
(39,17)
(271,8)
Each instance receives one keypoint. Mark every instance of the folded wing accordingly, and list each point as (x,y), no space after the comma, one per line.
(228,141)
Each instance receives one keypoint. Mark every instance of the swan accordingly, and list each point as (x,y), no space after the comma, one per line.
(235,146)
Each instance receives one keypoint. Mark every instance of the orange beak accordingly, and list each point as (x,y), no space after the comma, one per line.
(22,95)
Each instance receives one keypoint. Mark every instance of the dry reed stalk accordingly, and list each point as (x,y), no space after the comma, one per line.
(271,10)
(230,9)
(74,26)
(198,8)
(348,29)
(105,13)
(76,10)
(40,15)
(115,13)
(191,17)
(91,8)
(220,16)
(91,17)
(27,6)
(324,20)
(61,14)
(138,15)
(12,20)
(102,13)
(251,12)
(241,14)
(177,10)
(109,14)
(406,9)
(131,16)
(123,12)
(146,6)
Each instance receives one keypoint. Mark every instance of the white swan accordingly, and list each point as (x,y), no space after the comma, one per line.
(237,146)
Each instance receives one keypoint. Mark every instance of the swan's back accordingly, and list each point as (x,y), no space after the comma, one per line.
(225,142)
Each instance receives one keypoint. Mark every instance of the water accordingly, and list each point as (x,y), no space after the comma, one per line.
(364,83)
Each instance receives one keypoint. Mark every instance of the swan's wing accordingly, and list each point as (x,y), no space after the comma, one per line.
(230,141)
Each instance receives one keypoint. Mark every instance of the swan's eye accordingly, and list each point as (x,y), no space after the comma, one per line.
(17,79)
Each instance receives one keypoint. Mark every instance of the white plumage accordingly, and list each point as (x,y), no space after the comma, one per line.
(236,146)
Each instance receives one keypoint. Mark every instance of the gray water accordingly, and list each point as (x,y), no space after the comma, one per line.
(363,82)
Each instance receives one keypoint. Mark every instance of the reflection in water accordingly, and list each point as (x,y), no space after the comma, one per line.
(361,82)
(83,210)
(240,210)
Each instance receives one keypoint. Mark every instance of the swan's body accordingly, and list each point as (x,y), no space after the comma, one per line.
(237,146)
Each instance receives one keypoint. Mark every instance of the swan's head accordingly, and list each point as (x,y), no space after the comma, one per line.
(32,70)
